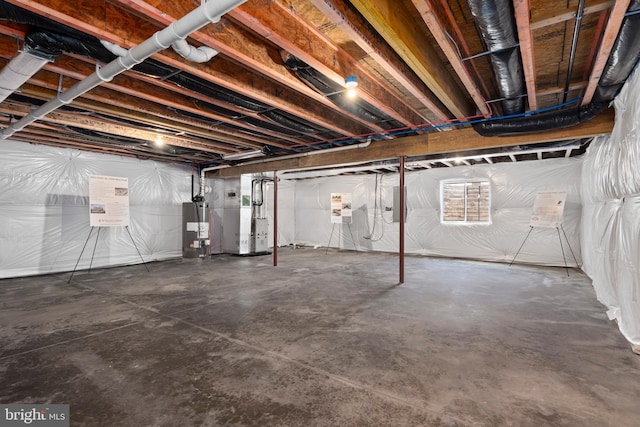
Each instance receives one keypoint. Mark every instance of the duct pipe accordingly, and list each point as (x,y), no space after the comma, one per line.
(497,25)
(624,55)
(207,12)
(20,69)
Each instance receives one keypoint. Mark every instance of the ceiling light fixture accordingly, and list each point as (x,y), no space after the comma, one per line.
(159,140)
(351,82)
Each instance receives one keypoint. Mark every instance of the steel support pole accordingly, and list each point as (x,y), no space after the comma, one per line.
(275,218)
(402,204)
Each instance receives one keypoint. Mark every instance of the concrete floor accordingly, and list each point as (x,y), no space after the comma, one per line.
(320,340)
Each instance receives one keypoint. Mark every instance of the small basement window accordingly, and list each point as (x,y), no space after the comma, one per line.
(465,202)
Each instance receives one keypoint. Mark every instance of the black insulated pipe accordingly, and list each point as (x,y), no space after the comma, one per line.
(540,122)
(496,22)
(624,56)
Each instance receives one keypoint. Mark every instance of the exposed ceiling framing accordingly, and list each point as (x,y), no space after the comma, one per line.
(277,85)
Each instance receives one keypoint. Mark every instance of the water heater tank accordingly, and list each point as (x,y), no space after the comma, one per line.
(195,230)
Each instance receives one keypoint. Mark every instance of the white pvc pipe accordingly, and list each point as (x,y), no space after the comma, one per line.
(207,12)
(193,54)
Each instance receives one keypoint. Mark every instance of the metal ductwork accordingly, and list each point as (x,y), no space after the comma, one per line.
(540,122)
(178,30)
(21,68)
(624,56)
(497,26)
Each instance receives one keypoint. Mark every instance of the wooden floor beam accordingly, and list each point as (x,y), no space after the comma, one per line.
(434,143)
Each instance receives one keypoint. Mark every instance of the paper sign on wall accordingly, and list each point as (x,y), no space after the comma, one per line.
(108,201)
(341,208)
(548,209)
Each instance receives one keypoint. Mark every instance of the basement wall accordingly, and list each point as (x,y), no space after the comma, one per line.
(611,214)
(513,191)
(44,207)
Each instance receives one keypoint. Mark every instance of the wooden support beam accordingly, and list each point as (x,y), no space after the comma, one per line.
(557,12)
(434,143)
(608,39)
(341,14)
(399,27)
(444,41)
(521,8)
(274,21)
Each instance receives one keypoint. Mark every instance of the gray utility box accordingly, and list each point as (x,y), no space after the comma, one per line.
(396,204)
(261,235)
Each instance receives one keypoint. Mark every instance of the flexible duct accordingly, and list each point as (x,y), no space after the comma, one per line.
(540,122)
(624,55)
(21,68)
(497,25)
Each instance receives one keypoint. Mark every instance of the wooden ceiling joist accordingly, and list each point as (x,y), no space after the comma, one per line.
(521,8)
(126,29)
(398,27)
(339,12)
(556,12)
(234,43)
(274,21)
(433,23)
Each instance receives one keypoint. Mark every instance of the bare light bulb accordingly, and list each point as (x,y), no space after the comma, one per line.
(351,82)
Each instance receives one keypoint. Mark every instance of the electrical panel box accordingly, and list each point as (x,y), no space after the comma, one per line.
(396,204)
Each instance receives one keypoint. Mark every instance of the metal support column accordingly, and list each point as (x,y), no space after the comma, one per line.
(275,218)
(402,204)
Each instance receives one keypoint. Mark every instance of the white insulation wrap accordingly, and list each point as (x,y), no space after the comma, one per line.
(611,214)
(44,206)
(513,191)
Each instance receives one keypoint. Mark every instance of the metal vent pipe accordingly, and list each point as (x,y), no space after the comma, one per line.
(497,25)
(210,11)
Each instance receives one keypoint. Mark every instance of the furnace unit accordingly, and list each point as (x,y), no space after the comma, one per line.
(245,226)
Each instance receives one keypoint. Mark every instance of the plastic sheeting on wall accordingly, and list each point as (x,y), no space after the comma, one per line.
(611,215)
(513,191)
(44,206)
